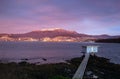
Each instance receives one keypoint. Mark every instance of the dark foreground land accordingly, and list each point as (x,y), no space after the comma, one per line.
(97,67)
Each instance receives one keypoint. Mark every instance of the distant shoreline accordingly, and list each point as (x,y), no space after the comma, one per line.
(97,41)
(112,40)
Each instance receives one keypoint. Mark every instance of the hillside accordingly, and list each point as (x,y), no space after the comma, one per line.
(52,35)
(112,40)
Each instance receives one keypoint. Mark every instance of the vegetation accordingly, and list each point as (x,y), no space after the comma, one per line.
(59,77)
(115,40)
(23,70)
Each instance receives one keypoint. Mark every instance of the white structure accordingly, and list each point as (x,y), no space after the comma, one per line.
(90,49)
(87,50)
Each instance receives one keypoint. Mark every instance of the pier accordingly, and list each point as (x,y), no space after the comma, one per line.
(88,50)
(81,69)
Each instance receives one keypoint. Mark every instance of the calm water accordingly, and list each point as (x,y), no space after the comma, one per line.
(53,52)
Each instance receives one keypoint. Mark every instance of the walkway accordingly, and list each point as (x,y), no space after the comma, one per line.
(81,69)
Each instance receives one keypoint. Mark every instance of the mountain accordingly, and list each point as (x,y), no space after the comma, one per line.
(52,35)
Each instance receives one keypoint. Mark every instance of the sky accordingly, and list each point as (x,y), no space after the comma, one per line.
(93,17)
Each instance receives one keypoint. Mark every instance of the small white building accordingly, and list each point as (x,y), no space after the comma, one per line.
(90,49)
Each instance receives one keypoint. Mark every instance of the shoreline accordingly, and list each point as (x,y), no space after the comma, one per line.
(44,60)
(98,66)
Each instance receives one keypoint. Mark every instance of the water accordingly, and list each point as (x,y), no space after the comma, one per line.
(37,52)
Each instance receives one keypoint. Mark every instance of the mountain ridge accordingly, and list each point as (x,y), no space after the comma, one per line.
(53,35)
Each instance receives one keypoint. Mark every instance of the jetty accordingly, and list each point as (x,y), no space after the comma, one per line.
(87,50)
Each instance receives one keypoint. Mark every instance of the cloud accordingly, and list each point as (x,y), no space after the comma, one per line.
(69,14)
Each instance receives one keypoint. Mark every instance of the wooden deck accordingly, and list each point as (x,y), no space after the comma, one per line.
(81,69)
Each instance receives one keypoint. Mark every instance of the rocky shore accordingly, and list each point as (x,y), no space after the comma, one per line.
(98,68)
